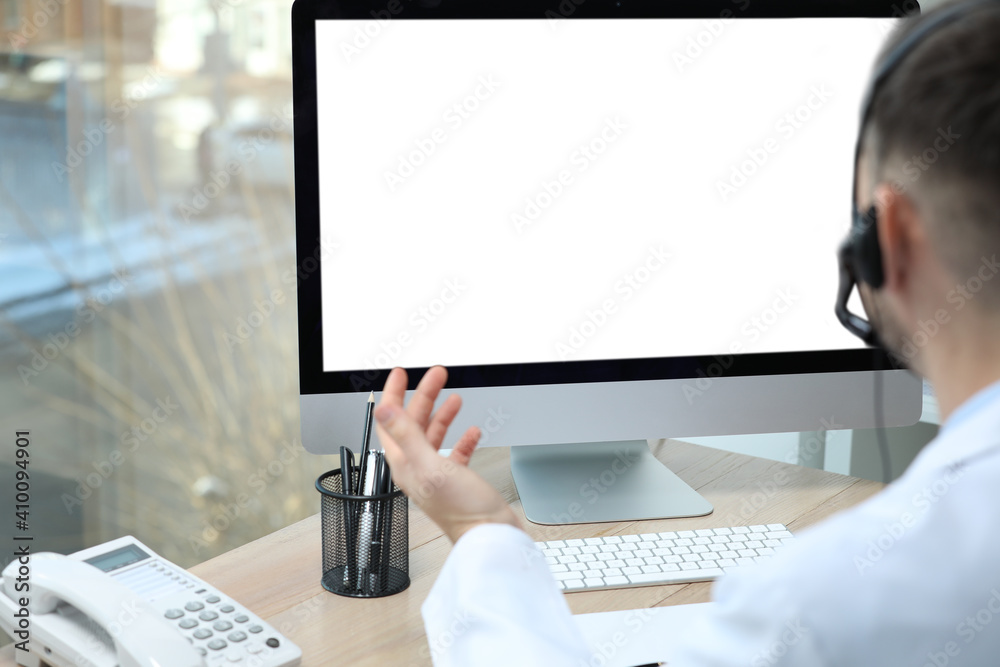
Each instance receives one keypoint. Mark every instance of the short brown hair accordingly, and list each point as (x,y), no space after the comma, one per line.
(934,130)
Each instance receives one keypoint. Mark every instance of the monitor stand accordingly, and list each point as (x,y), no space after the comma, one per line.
(599,481)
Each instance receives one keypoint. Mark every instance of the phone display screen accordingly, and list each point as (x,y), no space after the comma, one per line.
(118,558)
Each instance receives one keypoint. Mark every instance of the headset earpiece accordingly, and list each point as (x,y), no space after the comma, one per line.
(867,254)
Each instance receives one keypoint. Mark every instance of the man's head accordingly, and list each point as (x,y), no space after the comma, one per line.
(930,165)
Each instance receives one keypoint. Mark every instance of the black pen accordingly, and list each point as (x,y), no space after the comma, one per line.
(347,488)
(366,442)
(652,664)
(386,536)
(375,554)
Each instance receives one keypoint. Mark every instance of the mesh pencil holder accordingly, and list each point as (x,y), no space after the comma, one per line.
(365,540)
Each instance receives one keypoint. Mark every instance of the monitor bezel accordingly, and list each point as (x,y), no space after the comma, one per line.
(313,379)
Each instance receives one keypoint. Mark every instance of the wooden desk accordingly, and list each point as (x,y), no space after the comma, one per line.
(278,575)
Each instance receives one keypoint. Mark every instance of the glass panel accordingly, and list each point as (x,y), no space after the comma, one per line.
(147,273)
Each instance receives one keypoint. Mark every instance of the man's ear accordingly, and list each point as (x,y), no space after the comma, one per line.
(899,233)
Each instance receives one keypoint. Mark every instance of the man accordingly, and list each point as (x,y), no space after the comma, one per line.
(909,577)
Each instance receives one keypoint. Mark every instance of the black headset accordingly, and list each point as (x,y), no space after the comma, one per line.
(860,255)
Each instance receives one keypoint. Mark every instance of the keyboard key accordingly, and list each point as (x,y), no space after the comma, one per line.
(595,582)
(565,576)
(574,543)
(673,577)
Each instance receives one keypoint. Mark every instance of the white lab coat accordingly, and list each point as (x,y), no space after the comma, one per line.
(908,577)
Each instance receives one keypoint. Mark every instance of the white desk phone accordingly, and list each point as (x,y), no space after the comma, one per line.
(120,604)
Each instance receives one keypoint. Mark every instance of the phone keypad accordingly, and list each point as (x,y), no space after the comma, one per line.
(221,631)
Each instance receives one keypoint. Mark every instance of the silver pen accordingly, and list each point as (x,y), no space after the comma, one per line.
(367,519)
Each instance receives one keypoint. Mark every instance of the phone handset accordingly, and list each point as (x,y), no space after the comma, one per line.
(141,636)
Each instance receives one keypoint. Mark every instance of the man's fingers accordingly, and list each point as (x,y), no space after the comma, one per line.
(461,453)
(422,400)
(395,388)
(403,431)
(442,419)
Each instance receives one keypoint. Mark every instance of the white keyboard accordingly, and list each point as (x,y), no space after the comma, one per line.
(650,559)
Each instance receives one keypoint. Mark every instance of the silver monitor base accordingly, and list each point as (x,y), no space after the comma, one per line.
(599,481)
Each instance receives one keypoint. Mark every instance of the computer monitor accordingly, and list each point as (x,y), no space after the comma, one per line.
(611,221)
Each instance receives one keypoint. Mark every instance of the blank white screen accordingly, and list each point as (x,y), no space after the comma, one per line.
(557,288)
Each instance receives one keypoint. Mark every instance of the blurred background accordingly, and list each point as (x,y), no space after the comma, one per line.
(147,279)
(147,291)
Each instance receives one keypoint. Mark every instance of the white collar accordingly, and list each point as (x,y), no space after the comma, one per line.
(972,430)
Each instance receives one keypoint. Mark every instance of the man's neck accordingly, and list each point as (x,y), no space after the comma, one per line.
(961,363)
